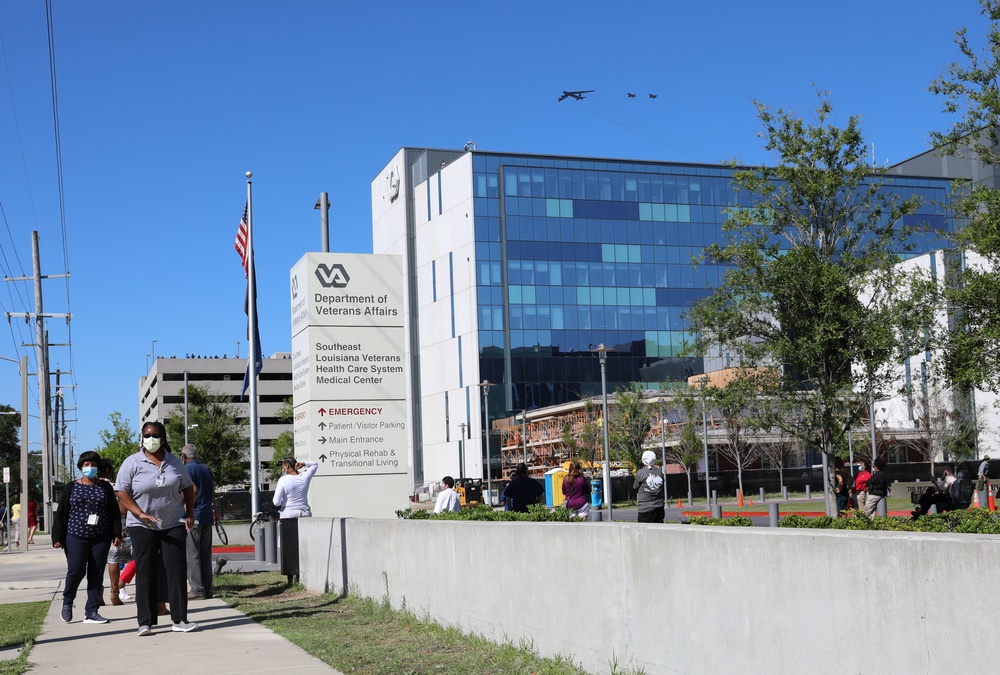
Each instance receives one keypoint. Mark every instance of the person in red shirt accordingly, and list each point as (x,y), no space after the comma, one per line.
(860,490)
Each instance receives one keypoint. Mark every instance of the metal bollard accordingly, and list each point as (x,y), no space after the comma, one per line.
(809,492)
(716,510)
(595,516)
(690,499)
(762,494)
(880,510)
(984,499)
(772,514)
(258,546)
(715,496)
(271,542)
(784,492)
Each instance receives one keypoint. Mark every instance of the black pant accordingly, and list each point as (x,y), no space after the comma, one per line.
(652,515)
(85,557)
(940,499)
(151,548)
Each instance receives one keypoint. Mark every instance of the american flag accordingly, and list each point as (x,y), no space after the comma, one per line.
(241,241)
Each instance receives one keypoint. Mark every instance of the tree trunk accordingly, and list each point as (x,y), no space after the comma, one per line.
(739,476)
(688,472)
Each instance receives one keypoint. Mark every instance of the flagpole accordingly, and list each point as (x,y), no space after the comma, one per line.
(254,356)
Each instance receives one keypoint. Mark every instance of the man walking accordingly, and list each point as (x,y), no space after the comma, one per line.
(199,537)
(983,477)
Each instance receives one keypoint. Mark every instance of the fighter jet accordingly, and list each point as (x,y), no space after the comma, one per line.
(654,96)
(578,95)
(630,94)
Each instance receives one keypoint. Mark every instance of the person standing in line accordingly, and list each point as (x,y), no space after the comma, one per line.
(33,517)
(159,497)
(199,537)
(522,490)
(291,495)
(861,484)
(878,488)
(649,483)
(447,499)
(15,523)
(842,485)
(982,476)
(575,490)
(84,526)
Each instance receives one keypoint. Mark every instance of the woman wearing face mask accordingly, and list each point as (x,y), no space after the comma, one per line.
(84,526)
(158,494)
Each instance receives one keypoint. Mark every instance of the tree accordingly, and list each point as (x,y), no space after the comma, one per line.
(688,449)
(629,426)
(972,344)
(10,445)
(284,445)
(118,442)
(780,451)
(812,287)
(217,432)
(737,402)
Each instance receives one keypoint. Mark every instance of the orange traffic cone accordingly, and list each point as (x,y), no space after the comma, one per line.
(975,499)
(679,505)
(739,497)
(992,501)
(751,501)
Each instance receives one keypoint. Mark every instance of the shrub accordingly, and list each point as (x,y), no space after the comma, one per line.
(536,513)
(972,521)
(735,521)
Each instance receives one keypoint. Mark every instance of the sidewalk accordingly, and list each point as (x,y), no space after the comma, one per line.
(228,641)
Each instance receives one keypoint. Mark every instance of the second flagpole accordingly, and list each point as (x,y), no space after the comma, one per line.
(254,356)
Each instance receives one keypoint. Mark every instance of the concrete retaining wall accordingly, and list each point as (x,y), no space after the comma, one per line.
(673,598)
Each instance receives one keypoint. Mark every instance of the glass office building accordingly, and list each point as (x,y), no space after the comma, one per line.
(553,256)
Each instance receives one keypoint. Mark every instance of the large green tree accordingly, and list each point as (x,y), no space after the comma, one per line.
(812,286)
(10,445)
(284,445)
(971,90)
(739,404)
(629,428)
(218,430)
(118,442)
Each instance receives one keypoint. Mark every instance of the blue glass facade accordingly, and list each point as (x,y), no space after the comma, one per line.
(571,253)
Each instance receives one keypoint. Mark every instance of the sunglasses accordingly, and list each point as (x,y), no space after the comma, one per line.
(151,435)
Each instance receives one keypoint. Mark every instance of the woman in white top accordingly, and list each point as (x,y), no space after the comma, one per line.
(291,495)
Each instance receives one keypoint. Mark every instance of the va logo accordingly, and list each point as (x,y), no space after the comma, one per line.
(333,276)
(295,286)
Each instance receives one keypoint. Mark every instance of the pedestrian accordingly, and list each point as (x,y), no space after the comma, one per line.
(84,526)
(982,476)
(159,497)
(878,487)
(575,490)
(15,523)
(199,537)
(861,485)
(447,499)
(842,485)
(291,495)
(33,517)
(523,490)
(121,553)
(649,484)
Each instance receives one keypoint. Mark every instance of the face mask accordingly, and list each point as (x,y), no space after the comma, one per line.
(151,444)
(90,471)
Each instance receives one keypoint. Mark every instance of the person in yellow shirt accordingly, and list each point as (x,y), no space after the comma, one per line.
(15,523)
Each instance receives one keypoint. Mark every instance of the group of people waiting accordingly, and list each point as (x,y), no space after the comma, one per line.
(864,491)
(13,535)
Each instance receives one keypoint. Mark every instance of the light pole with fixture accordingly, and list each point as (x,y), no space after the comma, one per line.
(485,385)
(602,352)
(704,424)
(186,407)
(663,449)
(462,426)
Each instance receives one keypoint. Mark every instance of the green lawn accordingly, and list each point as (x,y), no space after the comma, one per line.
(369,638)
(20,624)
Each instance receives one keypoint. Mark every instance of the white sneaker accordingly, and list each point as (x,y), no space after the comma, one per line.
(145,630)
(123,596)
(184,627)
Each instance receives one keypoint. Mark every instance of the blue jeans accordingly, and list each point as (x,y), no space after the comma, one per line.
(85,557)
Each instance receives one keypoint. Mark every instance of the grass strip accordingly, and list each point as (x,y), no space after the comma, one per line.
(20,624)
(361,636)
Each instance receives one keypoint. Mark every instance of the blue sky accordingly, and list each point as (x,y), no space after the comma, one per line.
(164,106)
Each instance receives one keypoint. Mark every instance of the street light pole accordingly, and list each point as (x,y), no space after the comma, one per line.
(663,450)
(524,433)
(186,407)
(602,352)
(485,384)
(461,449)
(704,424)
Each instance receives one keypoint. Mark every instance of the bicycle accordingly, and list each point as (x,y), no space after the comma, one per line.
(257,523)
(220,530)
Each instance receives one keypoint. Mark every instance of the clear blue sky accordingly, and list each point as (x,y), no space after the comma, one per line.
(164,106)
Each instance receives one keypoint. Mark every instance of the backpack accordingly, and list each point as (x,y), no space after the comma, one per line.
(961,492)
